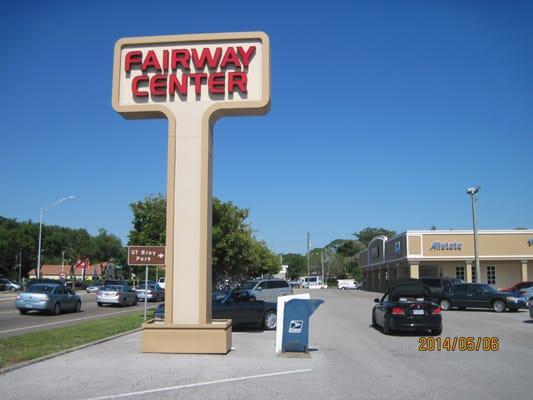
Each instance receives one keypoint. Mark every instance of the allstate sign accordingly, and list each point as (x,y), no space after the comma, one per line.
(446,246)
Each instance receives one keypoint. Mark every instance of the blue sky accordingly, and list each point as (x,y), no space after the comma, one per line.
(383,113)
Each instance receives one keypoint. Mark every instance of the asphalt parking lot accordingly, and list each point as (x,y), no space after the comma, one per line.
(350,359)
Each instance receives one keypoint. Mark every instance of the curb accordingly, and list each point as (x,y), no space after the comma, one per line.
(60,353)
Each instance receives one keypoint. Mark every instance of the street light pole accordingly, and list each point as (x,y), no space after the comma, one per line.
(43,210)
(473,191)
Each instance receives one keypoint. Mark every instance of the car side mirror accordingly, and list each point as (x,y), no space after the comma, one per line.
(376,300)
(259,288)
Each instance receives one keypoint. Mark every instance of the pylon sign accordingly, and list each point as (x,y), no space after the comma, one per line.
(192,80)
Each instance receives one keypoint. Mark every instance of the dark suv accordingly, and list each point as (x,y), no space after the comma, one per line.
(439,286)
(481,295)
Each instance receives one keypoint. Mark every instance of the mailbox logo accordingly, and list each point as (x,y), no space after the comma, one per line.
(296,326)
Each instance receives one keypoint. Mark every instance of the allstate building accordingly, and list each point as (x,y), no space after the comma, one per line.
(506,257)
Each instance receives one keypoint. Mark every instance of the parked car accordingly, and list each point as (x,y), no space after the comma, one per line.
(347,284)
(48,297)
(154,293)
(481,295)
(295,284)
(439,286)
(161,282)
(94,288)
(407,306)
(242,308)
(518,287)
(6,284)
(313,282)
(122,295)
(267,289)
(77,284)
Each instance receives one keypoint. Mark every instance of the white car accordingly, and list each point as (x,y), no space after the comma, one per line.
(347,284)
(161,282)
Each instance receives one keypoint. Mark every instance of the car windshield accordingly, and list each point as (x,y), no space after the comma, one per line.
(248,285)
(39,288)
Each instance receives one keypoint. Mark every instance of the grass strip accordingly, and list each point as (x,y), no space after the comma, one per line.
(33,345)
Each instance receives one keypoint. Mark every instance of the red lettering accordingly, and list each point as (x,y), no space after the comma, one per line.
(180,57)
(230,57)
(165,60)
(135,86)
(215,83)
(174,84)
(158,84)
(151,61)
(239,80)
(246,55)
(132,58)
(206,56)
(198,81)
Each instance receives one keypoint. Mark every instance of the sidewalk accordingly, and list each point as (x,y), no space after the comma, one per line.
(118,368)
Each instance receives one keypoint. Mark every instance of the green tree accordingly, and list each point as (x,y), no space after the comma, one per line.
(297,265)
(366,235)
(235,251)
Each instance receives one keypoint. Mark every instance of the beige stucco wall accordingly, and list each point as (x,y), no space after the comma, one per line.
(515,244)
(415,246)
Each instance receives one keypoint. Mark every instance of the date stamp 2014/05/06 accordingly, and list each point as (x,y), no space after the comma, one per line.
(459,343)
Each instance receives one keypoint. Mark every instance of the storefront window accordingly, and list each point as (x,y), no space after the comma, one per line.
(491,275)
(460,273)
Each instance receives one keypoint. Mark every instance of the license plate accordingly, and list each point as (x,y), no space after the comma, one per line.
(28,305)
(418,312)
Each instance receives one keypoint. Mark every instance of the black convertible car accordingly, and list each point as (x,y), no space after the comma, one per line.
(242,308)
(407,306)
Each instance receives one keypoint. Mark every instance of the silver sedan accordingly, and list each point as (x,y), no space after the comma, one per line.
(122,295)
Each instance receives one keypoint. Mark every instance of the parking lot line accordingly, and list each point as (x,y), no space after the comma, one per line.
(198,384)
(68,320)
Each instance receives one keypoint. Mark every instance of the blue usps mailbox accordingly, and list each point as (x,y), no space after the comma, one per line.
(296,324)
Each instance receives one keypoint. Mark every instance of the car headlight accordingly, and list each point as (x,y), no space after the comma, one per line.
(512,298)
(18,297)
(45,298)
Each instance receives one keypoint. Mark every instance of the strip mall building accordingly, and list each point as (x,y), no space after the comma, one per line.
(506,257)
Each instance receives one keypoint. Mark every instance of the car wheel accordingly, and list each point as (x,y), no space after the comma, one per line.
(100,305)
(386,329)
(77,307)
(123,303)
(445,304)
(436,332)
(461,308)
(374,319)
(57,309)
(270,320)
(23,311)
(136,301)
(498,306)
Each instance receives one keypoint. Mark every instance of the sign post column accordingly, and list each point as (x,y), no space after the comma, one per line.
(192,80)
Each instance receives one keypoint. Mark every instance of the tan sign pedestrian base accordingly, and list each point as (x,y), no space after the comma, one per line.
(213,338)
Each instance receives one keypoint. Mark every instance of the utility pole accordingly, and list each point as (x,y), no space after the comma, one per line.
(62,262)
(322,257)
(308,273)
